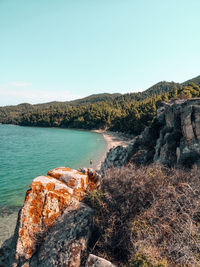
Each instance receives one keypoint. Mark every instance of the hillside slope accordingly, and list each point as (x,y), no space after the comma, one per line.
(129,113)
(195,80)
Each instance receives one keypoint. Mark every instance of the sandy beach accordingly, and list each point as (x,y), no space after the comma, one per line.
(113,139)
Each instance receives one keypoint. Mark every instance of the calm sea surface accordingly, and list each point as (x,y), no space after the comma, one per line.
(27,152)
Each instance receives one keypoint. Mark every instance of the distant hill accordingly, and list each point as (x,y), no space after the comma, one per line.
(94,99)
(195,80)
(165,87)
(161,87)
(81,101)
(13,110)
(12,114)
(156,89)
(130,112)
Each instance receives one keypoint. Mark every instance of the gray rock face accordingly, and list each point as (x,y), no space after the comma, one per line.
(179,140)
(173,139)
(94,261)
(115,157)
(66,240)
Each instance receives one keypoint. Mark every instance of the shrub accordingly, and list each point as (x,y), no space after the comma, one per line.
(149,214)
(141,259)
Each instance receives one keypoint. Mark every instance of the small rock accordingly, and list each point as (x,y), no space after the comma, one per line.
(94,261)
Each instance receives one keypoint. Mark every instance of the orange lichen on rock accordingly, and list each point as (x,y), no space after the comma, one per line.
(71,183)
(36,205)
(86,181)
(50,186)
(29,251)
(46,200)
(76,179)
(79,193)
(58,200)
(82,183)
(65,169)
(21,232)
(27,195)
(56,175)
(64,191)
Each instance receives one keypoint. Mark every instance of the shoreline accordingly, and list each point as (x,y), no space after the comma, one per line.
(113,139)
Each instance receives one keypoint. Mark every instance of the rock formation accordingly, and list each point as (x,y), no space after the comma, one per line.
(53,225)
(173,139)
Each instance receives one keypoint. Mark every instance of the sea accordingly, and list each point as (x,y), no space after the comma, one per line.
(27,152)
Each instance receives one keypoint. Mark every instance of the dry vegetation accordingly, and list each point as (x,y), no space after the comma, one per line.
(148,216)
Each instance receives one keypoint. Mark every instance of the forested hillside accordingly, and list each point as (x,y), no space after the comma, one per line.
(125,113)
(195,80)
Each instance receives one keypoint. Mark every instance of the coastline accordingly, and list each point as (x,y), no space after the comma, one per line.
(113,139)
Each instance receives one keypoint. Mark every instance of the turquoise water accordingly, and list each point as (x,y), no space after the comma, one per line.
(27,152)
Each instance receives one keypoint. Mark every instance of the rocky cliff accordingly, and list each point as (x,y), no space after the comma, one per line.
(53,226)
(173,139)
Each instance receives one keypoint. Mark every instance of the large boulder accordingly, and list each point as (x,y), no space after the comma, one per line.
(53,227)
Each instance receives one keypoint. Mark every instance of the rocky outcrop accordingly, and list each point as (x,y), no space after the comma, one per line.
(116,157)
(173,139)
(53,225)
(66,239)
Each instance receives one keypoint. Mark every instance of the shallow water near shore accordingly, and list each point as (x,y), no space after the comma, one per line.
(27,152)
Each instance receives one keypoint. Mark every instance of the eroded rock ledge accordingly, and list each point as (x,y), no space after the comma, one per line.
(53,225)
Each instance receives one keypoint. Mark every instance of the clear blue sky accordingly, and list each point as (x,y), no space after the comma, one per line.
(65,49)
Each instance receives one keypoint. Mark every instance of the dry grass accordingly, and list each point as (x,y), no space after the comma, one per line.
(147,216)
